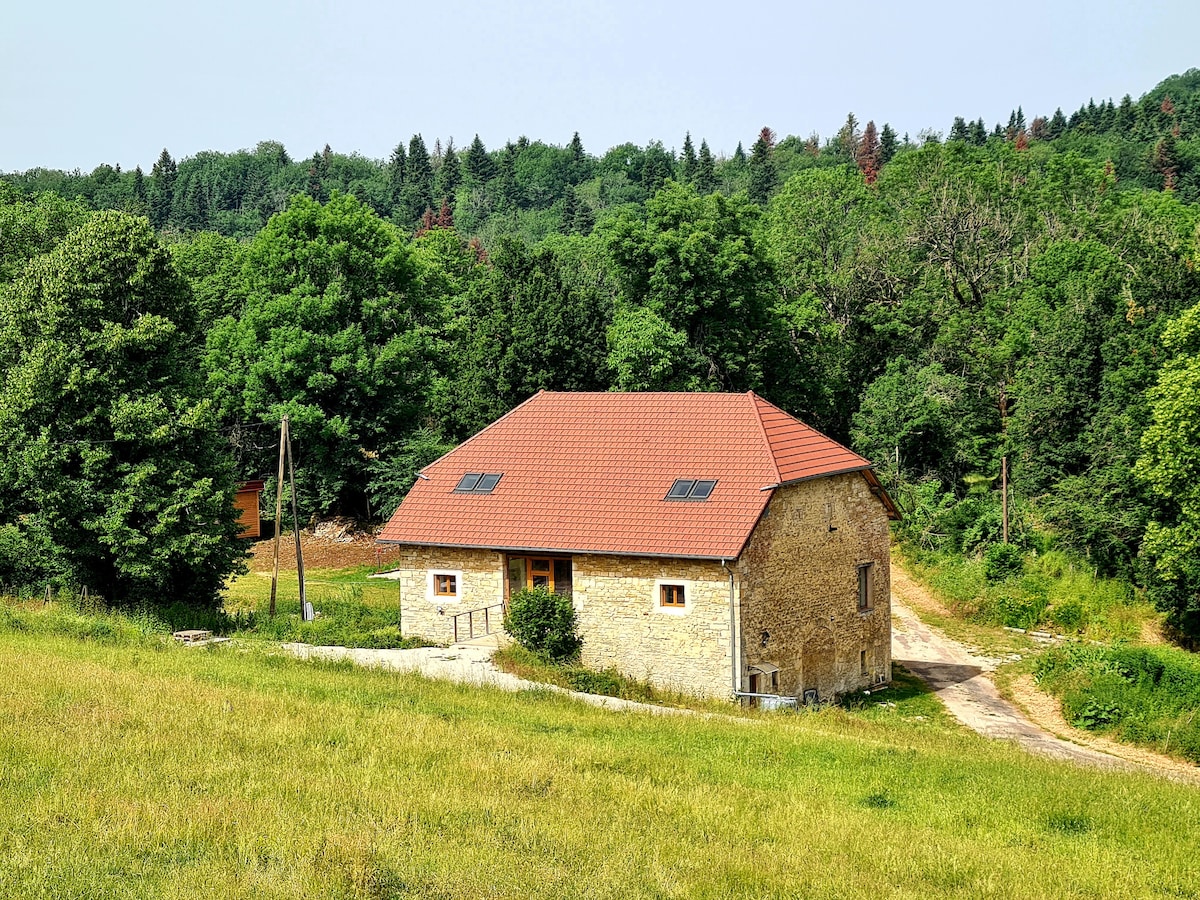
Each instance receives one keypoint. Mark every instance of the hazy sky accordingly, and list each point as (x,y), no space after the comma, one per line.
(83,83)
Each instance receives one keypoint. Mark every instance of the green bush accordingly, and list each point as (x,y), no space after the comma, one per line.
(1002,562)
(543,622)
(1148,695)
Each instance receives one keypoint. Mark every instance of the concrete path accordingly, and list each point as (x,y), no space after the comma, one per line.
(469,663)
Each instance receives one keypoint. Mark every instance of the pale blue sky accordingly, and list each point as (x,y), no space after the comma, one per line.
(83,82)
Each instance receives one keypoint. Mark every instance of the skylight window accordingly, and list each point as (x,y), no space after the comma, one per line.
(478,483)
(691,489)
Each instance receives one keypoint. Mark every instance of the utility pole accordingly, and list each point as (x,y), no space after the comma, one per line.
(1004,494)
(278,510)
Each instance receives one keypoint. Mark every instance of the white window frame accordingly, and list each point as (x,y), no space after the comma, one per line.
(672,610)
(431,593)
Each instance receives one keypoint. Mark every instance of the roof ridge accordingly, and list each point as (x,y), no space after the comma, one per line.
(762,429)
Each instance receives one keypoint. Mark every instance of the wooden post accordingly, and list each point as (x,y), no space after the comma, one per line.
(1004,494)
(278,511)
(295,515)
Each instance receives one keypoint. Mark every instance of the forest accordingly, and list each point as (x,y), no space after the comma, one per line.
(1020,299)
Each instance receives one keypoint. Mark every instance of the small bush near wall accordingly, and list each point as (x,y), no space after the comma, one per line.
(543,622)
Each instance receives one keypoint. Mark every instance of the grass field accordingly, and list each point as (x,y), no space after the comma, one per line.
(133,768)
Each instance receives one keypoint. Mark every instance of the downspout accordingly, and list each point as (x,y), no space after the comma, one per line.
(735,680)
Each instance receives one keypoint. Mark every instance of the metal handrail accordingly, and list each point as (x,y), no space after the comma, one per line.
(470,614)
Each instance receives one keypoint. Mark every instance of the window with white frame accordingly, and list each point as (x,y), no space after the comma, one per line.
(444,585)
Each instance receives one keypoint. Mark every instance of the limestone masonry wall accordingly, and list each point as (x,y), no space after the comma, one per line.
(800,584)
(625,627)
(478,578)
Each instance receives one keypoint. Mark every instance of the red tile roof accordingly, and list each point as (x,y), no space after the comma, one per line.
(588,473)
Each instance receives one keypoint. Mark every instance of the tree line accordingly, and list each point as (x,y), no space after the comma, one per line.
(943,308)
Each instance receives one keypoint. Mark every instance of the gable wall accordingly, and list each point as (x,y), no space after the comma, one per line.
(480,583)
(800,585)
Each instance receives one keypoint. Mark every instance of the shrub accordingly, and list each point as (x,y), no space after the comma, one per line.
(1002,562)
(543,622)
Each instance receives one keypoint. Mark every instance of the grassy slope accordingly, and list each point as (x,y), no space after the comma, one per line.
(138,770)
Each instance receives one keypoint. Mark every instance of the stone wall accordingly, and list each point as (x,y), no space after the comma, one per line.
(800,583)
(624,625)
(479,578)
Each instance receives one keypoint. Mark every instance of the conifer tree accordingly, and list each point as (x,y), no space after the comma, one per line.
(449,173)
(739,156)
(585,220)
(479,165)
(762,167)
(395,174)
(958,131)
(706,171)
(979,133)
(687,160)
(1125,118)
(1058,124)
(887,144)
(868,153)
(163,174)
(510,193)
(140,205)
(418,180)
(848,138)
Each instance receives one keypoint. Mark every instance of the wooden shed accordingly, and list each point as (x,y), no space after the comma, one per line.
(246,503)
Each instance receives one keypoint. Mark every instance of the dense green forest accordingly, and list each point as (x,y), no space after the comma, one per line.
(1023,295)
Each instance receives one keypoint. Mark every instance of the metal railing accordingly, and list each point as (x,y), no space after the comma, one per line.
(471,618)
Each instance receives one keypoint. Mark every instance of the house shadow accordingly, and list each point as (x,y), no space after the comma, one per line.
(940,674)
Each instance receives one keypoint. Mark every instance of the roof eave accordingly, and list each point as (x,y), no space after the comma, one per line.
(560,551)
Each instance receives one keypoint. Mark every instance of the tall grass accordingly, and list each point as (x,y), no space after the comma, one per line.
(1052,590)
(1145,695)
(186,772)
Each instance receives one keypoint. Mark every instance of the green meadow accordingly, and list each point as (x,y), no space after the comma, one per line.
(131,767)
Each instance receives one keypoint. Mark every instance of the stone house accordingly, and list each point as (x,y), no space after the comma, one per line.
(710,543)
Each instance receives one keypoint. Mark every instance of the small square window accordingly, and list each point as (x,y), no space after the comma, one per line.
(701,490)
(671,595)
(445,585)
(487,483)
(468,481)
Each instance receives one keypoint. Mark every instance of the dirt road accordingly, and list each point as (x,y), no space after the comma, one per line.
(960,679)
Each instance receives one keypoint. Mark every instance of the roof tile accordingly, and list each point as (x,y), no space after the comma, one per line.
(589,472)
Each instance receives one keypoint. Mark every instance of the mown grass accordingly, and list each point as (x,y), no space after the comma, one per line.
(1144,695)
(1052,592)
(133,768)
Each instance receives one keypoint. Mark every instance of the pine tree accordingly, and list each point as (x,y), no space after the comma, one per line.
(762,167)
(1165,160)
(479,165)
(510,192)
(1125,118)
(140,206)
(868,153)
(1058,124)
(1020,120)
(979,133)
(848,138)
(449,173)
(163,174)
(706,171)
(687,161)
(568,211)
(581,165)
(418,180)
(1037,128)
(395,175)
(958,131)
(585,220)
(739,157)
(887,144)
